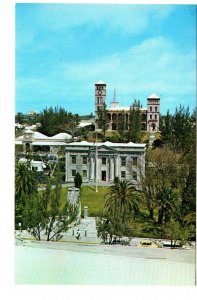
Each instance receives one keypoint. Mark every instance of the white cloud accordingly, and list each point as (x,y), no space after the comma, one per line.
(125,18)
(153,65)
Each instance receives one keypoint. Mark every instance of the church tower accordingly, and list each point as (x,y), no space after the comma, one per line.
(153,107)
(100,95)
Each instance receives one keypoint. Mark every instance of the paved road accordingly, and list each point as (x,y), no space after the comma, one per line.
(159,254)
(71,263)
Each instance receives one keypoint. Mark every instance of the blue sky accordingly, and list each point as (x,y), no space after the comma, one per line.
(63,49)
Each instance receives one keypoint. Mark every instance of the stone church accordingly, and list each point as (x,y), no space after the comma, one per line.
(149,115)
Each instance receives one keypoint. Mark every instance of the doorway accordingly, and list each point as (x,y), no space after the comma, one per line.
(27,147)
(153,126)
(103,175)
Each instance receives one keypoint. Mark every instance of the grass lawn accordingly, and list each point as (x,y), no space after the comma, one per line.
(89,197)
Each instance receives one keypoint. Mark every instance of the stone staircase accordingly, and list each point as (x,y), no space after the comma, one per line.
(87,229)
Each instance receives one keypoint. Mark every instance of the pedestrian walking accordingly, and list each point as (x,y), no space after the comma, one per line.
(78,235)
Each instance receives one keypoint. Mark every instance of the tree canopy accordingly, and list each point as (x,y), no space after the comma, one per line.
(44,217)
(134,122)
(102,120)
(122,200)
(56,120)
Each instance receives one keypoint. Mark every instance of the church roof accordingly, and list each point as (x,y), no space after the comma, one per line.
(153,96)
(100,82)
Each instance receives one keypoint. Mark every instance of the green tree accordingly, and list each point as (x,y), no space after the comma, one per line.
(121,124)
(188,192)
(78,180)
(122,201)
(190,218)
(172,231)
(102,119)
(20,118)
(107,226)
(183,128)
(178,130)
(25,182)
(169,168)
(163,169)
(166,128)
(71,125)
(33,216)
(104,228)
(54,120)
(134,122)
(148,188)
(167,204)
(45,218)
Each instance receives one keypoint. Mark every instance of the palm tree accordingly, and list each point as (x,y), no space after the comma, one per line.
(167,203)
(25,182)
(190,218)
(122,200)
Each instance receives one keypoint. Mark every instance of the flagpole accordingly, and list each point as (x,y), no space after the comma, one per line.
(96,164)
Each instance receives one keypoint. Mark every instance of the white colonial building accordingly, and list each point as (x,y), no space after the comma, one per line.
(31,140)
(102,162)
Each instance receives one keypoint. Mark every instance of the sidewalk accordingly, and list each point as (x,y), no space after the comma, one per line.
(87,230)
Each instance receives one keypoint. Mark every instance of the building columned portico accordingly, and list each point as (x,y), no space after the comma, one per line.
(102,162)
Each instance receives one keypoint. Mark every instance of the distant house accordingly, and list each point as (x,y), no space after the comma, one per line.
(33,127)
(85,123)
(34,140)
(27,127)
(19,126)
(34,165)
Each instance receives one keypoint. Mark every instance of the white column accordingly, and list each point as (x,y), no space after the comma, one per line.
(96,167)
(111,169)
(67,175)
(91,168)
(66,167)
(116,166)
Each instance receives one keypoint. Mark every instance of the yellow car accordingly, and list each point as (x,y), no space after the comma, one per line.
(147,244)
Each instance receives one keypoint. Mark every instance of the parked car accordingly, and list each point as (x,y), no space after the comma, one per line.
(147,244)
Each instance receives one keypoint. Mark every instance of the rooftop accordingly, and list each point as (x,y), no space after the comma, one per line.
(107,143)
(100,82)
(153,96)
(61,136)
